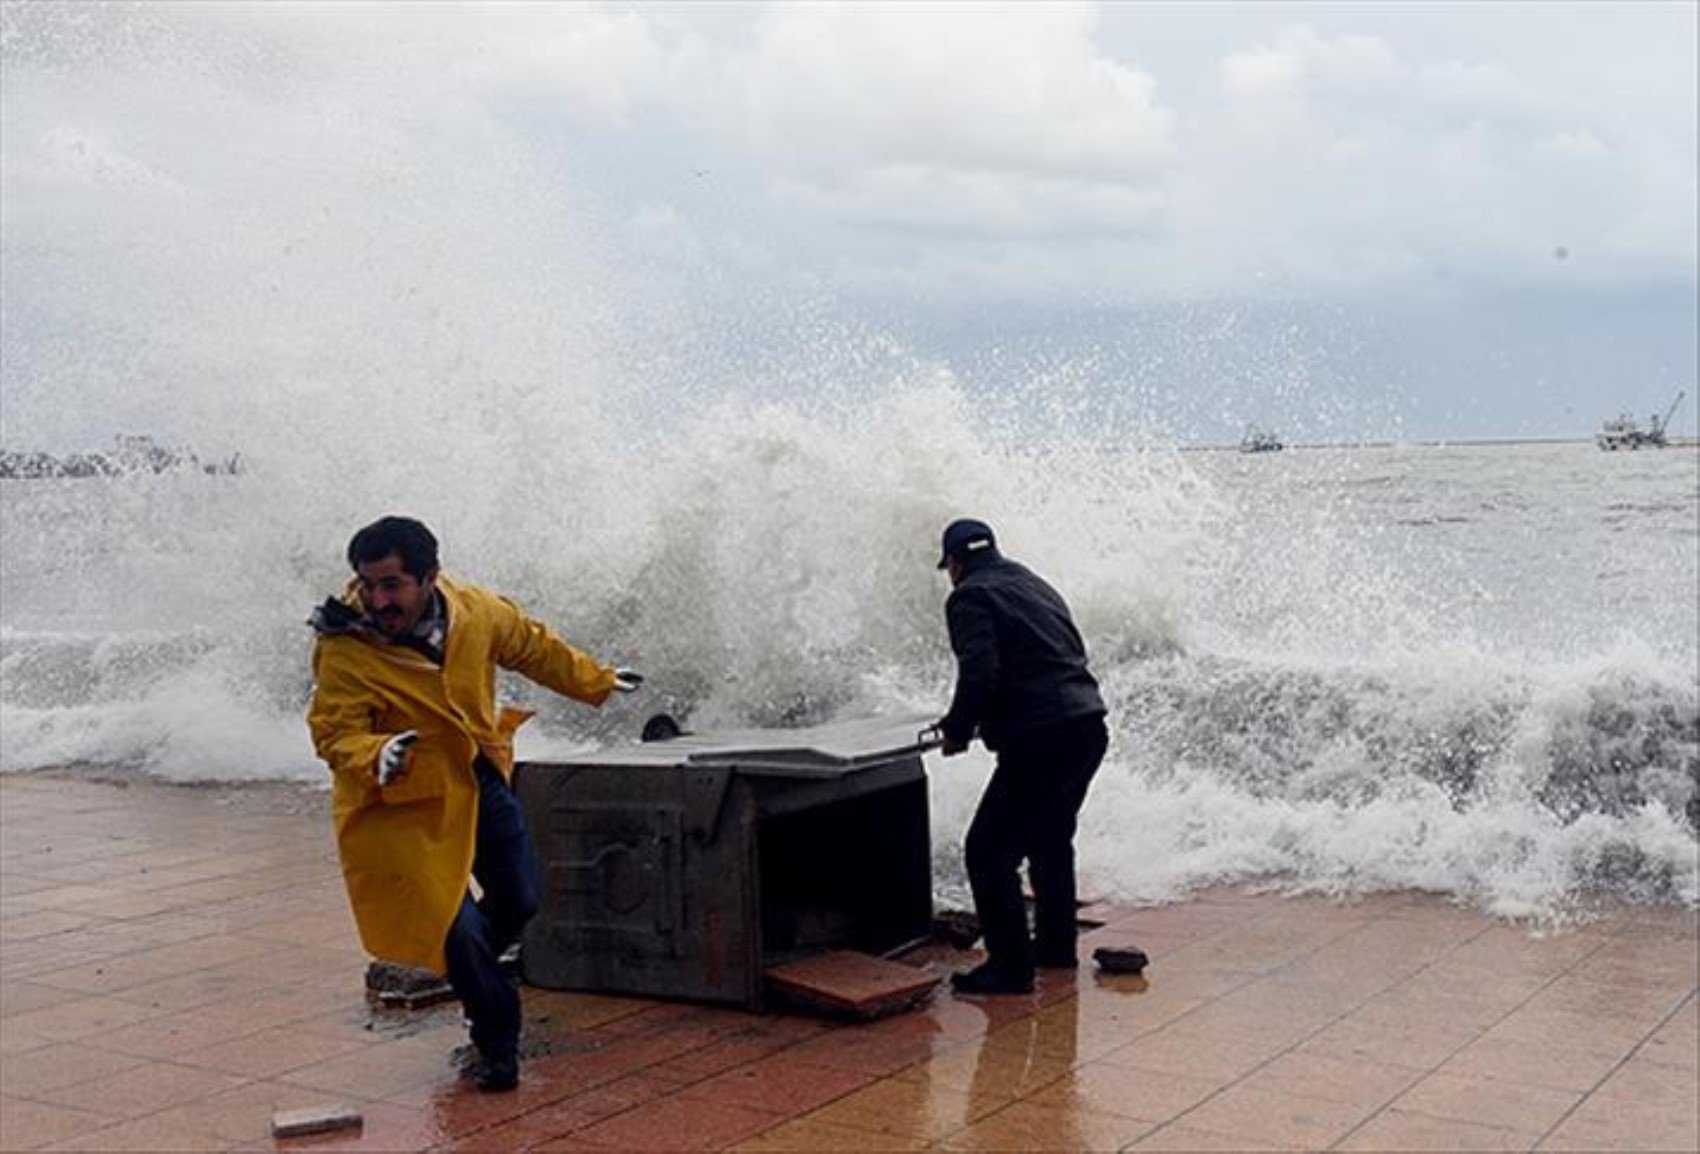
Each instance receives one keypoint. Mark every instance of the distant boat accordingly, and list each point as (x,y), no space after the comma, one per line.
(1260,441)
(1622,431)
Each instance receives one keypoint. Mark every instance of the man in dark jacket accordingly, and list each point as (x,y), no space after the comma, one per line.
(1023,688)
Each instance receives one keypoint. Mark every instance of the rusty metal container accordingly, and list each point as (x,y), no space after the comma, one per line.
(683,868)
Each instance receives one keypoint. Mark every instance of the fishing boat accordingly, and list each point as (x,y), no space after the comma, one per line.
(1623,432)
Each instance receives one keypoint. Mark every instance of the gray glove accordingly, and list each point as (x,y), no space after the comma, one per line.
(627,680)
(392,758)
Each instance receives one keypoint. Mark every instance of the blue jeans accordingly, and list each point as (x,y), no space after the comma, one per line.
(506,869)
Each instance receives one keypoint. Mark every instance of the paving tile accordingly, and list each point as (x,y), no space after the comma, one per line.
(1424,999)
(247,967)
(1353,1083)
(375,1071)
(16,1042)
(680,1124)
(1545,1027)
(111,974)
(59,1064)
(187,991)
(578,1111)
(135,904)
(458,1108)
(138,1090)
(1507,1059)
(1183,1138)
(862,1051)
(1277,1118)
(27,1125)
(13,883)
(985,1069)
(1677,1041)
(244,1115)
(806,1134)
(609,1059)
(1417,1045)
(1611,1122)
(1209,1054)
(1487,1102)
(82,1018)
(718,1057)
(41,925)
(167,1136)
(947,1018)
(1026,1126)
(171,1035)
(1586,996)
(778,1085)
(1652,1084)
(909,1109)
(1069,1032)
(267,1053)
(1400,1131)
(1131,1093)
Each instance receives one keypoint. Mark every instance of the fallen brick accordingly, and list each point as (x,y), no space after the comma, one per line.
(315,1120)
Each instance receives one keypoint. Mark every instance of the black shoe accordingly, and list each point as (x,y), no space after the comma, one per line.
(984,979)
(496,1075)
(1056,960)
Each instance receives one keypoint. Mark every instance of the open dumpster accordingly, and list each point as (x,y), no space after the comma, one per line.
(683,868)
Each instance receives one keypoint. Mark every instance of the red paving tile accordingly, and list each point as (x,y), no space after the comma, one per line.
(778,1084)
(680,1124)
(179,963)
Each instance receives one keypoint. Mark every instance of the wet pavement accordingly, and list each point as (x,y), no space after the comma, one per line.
(177,963)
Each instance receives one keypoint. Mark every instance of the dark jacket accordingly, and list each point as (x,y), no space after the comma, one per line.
(1021,665)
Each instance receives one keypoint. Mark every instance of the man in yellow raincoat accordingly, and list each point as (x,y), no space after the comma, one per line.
(404,713)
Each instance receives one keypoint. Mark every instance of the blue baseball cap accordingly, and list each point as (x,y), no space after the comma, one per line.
(967,536)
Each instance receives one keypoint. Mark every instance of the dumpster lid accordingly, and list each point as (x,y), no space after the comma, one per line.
(816,751)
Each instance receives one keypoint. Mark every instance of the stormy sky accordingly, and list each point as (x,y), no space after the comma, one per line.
(1379,221)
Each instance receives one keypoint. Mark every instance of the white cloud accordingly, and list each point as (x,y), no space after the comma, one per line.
(1337,161)
(988,117)
(1303,62)
(860,143)
(944,201)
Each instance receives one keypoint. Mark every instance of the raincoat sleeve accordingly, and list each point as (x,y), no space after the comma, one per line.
(528,647)
(340,719)
(974,639)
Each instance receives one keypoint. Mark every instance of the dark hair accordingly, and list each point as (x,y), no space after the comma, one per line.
(398,536)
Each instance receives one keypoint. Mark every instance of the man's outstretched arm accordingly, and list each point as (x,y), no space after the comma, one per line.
(533,650)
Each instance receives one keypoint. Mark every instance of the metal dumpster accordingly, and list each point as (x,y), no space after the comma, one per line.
(682,868)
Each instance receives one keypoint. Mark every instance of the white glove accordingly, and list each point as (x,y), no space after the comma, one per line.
(392,758)
(627,680)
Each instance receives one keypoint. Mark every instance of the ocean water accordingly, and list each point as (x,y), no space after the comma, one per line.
(1468,669)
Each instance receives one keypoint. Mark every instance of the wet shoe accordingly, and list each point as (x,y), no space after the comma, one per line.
(496,1075)
(986,980)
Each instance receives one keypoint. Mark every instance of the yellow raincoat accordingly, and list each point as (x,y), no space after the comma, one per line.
(407,847)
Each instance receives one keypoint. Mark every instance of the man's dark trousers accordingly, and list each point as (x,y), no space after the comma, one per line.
(506,869)
(1029,812)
